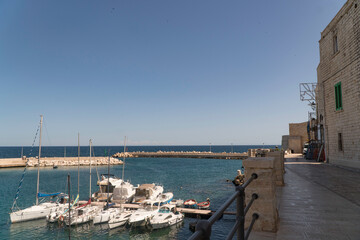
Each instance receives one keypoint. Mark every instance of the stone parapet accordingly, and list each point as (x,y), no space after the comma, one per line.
(278,166)
(265,187)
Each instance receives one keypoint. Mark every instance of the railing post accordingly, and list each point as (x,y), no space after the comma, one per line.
(240,216)
(204,227)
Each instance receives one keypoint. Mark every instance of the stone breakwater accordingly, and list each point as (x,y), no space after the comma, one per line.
(58,161)
(193,154)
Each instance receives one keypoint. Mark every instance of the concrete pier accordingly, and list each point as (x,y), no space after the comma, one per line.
(161,154)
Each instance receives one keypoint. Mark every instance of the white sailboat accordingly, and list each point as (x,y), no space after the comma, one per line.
(58,215)
(39,210)
(84,213)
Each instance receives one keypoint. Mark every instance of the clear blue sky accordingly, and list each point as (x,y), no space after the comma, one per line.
(159,72)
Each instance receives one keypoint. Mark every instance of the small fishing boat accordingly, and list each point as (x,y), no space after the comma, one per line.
(190,203)
(166,216)
(165,198)
(120,219)
(142,216)
(204,205)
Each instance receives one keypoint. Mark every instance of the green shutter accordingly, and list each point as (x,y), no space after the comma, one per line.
(338,96)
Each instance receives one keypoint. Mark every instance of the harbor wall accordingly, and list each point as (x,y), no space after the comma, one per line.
(57,161)
(172,154)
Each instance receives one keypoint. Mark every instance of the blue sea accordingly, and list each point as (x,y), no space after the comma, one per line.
(185,177)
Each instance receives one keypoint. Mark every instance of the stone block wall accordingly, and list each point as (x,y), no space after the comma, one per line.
(265,187)
(278,166)
(295,144)
(341,66)
(299,129)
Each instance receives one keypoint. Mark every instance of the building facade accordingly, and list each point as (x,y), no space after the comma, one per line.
(338,89)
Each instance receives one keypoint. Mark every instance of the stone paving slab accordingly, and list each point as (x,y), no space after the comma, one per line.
(318,201)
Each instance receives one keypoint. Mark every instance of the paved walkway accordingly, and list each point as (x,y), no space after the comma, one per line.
(318,201)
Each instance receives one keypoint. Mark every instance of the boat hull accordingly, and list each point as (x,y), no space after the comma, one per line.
(33,212)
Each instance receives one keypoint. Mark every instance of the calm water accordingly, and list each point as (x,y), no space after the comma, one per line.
(186,178)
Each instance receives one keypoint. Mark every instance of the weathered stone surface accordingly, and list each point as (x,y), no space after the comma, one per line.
(259,163)
(265,187)
(340,126)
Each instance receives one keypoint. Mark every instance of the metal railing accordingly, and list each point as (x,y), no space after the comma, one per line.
(203,227)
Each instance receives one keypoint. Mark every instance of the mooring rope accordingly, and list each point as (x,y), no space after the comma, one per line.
(23,175)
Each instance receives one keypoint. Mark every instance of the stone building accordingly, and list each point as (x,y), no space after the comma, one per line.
(338,88)
(298,136)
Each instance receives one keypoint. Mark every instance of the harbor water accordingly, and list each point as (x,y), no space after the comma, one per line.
(186,178)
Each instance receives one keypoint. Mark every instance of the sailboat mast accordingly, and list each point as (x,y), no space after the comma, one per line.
(121,199)
(124,159)
(38,170)
(78,163)
(108,187)
(90,143)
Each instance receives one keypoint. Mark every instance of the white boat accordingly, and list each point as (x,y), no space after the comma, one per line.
(124,192)
(147,192)
(166,216)
(178,202)
(34,212)
(142,216)
(81,215)
(120,219)
(55,215)
(40,210)
(165,198)
(105,215)
(105,188)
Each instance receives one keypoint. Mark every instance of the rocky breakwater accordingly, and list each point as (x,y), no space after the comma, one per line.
(72,161)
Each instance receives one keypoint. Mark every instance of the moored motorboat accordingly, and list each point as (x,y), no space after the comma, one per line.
(147,192)
(142,216)
(105,215)
(177,202)
(120,219)
(165,198)
(166,216)
(123,192)
(190,203)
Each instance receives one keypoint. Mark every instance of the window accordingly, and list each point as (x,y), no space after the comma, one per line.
(340,142)
(335,42)
(338,97)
